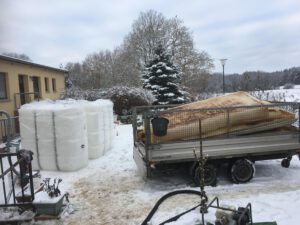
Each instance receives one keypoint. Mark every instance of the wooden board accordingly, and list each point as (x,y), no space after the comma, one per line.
(184,123)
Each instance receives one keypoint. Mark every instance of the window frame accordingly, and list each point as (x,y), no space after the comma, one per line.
(47,86)
(5,86)
(54,89)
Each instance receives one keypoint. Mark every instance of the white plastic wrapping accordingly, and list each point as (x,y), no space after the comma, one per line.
(94,119)
(107,127)
(56,133)
(64,134)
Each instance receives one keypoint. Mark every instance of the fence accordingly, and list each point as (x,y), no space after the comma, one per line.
(15,193)
(14,130)
(26,97)
(216,123)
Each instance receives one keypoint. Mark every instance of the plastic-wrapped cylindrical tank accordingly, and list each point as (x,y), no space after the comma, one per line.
(56,133)
(107,125)
(94,117)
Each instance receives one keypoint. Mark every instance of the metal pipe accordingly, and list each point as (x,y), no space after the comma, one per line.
(3,182)
(31,181)
(13,182)
(22,181)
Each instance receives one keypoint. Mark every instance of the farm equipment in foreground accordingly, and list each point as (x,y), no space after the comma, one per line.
(223,215)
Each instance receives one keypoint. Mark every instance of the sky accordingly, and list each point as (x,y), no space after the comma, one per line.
(252,35)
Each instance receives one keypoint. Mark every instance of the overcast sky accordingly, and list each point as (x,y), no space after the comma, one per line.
(253,35)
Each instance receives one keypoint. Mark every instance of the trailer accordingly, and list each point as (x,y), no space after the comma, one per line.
(236,149)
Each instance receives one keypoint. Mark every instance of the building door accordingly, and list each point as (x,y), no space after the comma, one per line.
(36,87)
(22,89)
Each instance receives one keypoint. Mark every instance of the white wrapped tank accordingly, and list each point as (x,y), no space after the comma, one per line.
(95,131)
(56,133)
(107,123)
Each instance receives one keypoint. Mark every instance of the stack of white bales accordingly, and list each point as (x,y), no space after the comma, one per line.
(56,133)
(94,125)
(51,129)
(108,123)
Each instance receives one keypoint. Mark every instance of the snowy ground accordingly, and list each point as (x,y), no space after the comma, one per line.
(109,191)
(287,95)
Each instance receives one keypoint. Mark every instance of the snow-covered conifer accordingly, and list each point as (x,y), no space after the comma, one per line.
(162,78)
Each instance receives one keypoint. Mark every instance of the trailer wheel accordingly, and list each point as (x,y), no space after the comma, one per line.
(285,163)
(210,175)
(242,171)
(192,168)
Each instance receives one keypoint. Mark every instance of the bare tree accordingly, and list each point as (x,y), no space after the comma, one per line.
(17,56)
(124,65)
(152,28)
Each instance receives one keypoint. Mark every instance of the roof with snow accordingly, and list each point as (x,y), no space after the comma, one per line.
(12,59)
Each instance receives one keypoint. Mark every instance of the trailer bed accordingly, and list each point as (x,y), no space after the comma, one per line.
(261,142)
(226,148)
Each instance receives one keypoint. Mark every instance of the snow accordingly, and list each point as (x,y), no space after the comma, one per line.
(43,197)
(110,191)
(288,95)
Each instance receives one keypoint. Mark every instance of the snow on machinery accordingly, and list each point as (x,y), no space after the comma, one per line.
(237,130)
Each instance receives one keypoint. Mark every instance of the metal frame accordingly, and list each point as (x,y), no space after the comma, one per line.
(26,94)
(13,176)
(7,133)
(147,153)
(147,112)
(248,206)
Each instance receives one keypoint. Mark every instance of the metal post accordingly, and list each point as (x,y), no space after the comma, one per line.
(223,79)
(148,142)
(3,182)
(299,121)
(31,181)
(134,125)
(223,61)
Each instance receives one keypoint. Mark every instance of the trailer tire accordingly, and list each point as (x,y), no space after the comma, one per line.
(210,175)
(285,163)
(242,171)
(192,168)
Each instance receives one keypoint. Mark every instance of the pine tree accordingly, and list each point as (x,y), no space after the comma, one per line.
(162,78)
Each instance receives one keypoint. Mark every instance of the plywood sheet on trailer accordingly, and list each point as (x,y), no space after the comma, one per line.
(221,115)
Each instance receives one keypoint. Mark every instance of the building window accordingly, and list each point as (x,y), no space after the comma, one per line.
(3,86)
(46,84)
(53,85)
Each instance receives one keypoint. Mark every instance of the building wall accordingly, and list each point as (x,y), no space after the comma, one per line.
(14,69)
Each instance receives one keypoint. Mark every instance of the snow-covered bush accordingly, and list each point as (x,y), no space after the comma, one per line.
(288,86)
(271,96)
(124,98)
(77,93)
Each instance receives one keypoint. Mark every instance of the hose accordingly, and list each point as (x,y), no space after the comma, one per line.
(163,198)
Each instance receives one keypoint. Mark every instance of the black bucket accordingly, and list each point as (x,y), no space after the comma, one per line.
(160,126)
